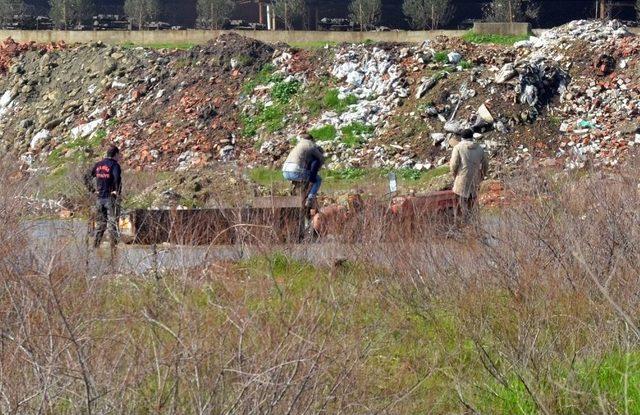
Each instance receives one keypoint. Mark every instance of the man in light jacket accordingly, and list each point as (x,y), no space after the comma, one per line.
(469,165)
(303,164)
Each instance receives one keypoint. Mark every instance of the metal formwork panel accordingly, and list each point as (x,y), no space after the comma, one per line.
(222,226)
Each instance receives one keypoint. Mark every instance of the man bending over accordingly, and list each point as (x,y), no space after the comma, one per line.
(303,164)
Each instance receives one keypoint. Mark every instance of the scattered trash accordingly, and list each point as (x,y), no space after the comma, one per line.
(426,84)
(454,58)
(167,115)
(485,115)
(507,72)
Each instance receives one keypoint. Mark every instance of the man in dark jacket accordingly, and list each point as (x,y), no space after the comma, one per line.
(108,187)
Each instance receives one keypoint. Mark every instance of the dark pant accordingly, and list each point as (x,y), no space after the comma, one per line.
(313,171)
(106,215)
(467,206)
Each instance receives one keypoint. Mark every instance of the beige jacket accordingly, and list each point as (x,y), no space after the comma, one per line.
(469,165)
(302,155)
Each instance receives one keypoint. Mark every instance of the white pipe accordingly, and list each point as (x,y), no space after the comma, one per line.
(268,16)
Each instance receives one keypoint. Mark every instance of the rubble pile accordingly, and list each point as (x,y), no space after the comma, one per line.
(165,109)
(10,49)
(600,107)
(568,97)
(376,79)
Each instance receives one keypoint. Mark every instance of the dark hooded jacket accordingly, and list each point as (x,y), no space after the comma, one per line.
(108,177)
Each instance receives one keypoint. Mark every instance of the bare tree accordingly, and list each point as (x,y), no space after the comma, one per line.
(365,12)
(83,10)
(141,11)
(212,13)
(605,9)
(638,9)
(511,11)
(9,8)
(66,12)
(427,14)
(61,12)
(289,11)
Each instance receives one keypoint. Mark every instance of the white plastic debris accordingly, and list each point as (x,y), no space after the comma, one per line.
(454,57)
(85,130)
(38,139)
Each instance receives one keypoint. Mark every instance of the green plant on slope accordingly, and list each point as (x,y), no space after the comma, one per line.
(325,133)
(283,91)
(264,77)
(332,101)
(441,57)
(353,134)
(271,117)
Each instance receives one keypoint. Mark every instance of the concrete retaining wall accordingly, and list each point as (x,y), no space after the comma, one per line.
(203,36)
(512,29)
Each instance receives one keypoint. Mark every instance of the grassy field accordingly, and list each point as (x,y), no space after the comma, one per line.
(506,40)
(533,310)
(339,338)
(312,45)
(354,179)
(541,318)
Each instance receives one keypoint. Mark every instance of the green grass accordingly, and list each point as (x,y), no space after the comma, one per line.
(465,64)
(331,101)
(403,341)
(429,175)
(309,101)
(507,40)
(611,383)
(139,201)
(325,133)
(77,150)
(291,103)
(265,176)
(57,182)
(615,379)
(347,179)
(347,174)
(353,134)
(271,117)
(509,398)
(282,92)
(441,57)
(264,77)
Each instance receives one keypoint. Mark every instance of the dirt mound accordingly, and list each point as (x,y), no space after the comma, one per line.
(10,49)
(238,52)
(569,94)
(166,109)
